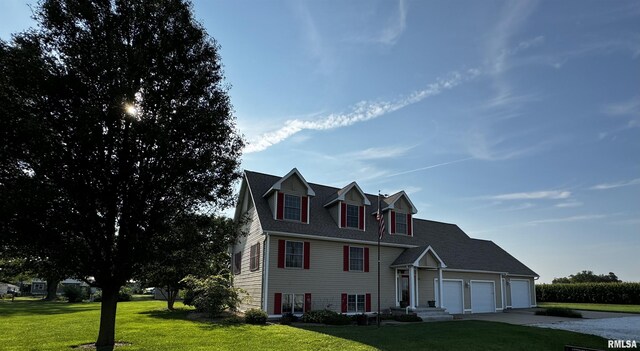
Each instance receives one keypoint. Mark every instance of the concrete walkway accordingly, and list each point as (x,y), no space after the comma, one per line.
(609,325)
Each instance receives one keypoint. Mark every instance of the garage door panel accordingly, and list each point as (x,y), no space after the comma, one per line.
(483,297)
(520,294)
(452,299)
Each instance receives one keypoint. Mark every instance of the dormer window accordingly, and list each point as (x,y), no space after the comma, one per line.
(292,208)
(353,216)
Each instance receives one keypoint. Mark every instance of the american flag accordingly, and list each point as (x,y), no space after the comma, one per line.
(380,219)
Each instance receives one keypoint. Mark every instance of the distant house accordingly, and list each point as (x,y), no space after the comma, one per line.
(39,286)
(5,288)
(311,246)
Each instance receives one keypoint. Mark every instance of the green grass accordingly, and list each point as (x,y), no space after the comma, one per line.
(593,307)
(37,325)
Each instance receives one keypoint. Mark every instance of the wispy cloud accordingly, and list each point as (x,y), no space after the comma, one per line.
(362,111)
(569,219)
(534,195)
(519,207)
(428,167)
(375,153)
(606,186)
(482,145)
(625,108)
(569,204)
(392,32)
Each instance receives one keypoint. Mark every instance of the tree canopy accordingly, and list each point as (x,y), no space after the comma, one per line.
(587,277)
(115,119)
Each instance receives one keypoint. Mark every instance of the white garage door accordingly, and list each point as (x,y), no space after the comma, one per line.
(452,295)
(520,294)
(483,297)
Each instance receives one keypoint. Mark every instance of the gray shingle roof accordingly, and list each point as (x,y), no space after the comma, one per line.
(452,245)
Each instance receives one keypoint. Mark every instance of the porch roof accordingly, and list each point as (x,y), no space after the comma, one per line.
(411,257)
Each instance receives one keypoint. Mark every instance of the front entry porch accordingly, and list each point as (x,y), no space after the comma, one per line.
(417,266)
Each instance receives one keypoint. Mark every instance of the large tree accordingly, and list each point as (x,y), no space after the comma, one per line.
(195,245)
(118,111)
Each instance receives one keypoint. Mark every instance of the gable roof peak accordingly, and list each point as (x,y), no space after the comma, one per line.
(340,194)
(277,186)
(391,200)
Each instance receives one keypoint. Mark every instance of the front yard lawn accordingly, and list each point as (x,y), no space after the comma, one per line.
(593,307)
(38,325)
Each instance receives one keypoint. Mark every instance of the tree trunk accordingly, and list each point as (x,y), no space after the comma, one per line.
(172,294)
(107,333)
(52,289)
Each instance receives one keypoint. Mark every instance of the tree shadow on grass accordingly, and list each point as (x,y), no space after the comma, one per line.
(41,307)
(472,335)
(189,315)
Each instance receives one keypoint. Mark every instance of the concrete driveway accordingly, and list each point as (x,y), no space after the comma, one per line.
(609,325)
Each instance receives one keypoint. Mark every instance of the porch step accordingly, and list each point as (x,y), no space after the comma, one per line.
(428,314)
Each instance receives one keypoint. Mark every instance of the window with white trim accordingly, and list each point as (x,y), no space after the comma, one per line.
(356,303)
(292,303)
(38,286)
(353,216)
(401,223)
(254,260)
(294,253)
(292,206)
(356,258)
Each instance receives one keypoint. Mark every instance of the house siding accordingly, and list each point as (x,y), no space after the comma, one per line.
(325,279)
(250,281)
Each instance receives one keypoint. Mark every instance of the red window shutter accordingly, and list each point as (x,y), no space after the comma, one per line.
(361,219)
(277,303)
(307,254)
(367,303)
(305,204)
(345,258)
(344,303)
(343,215)
(307,302)
(393,222)
(366,259)
(280,210)
(409,231)
(281,249)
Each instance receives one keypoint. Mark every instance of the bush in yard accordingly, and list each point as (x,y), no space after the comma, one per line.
(559,312)
(125,294)
(213,294)
(97,296)
(317,316)
(288,318)
(73,293)
(233,320)
(607,293)
(255,316)
(407,318)
(338,319)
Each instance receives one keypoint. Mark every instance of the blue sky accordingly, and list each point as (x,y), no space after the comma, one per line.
(519,121)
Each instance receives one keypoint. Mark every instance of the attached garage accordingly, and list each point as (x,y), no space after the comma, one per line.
(452,295)
(520,293)
(483,299)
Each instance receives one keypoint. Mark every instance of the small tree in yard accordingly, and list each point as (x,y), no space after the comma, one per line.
(114,121)
(197,247)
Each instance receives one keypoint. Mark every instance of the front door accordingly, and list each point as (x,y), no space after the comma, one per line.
(404,291)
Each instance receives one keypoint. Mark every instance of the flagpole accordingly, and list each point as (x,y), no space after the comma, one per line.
(379,214)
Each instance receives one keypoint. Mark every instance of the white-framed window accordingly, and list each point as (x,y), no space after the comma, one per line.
(401,223)
(294,254)
(38,286)
(353,216)
(292,303)
(254,260)
(356,258)
(292,207)
(356,303)
(237,262)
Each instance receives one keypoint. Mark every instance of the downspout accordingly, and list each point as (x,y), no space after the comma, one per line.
(265,274)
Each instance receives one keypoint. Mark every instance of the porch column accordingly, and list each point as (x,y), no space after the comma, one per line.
(440,286)
(412,284)
(396,280)
(417,287)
